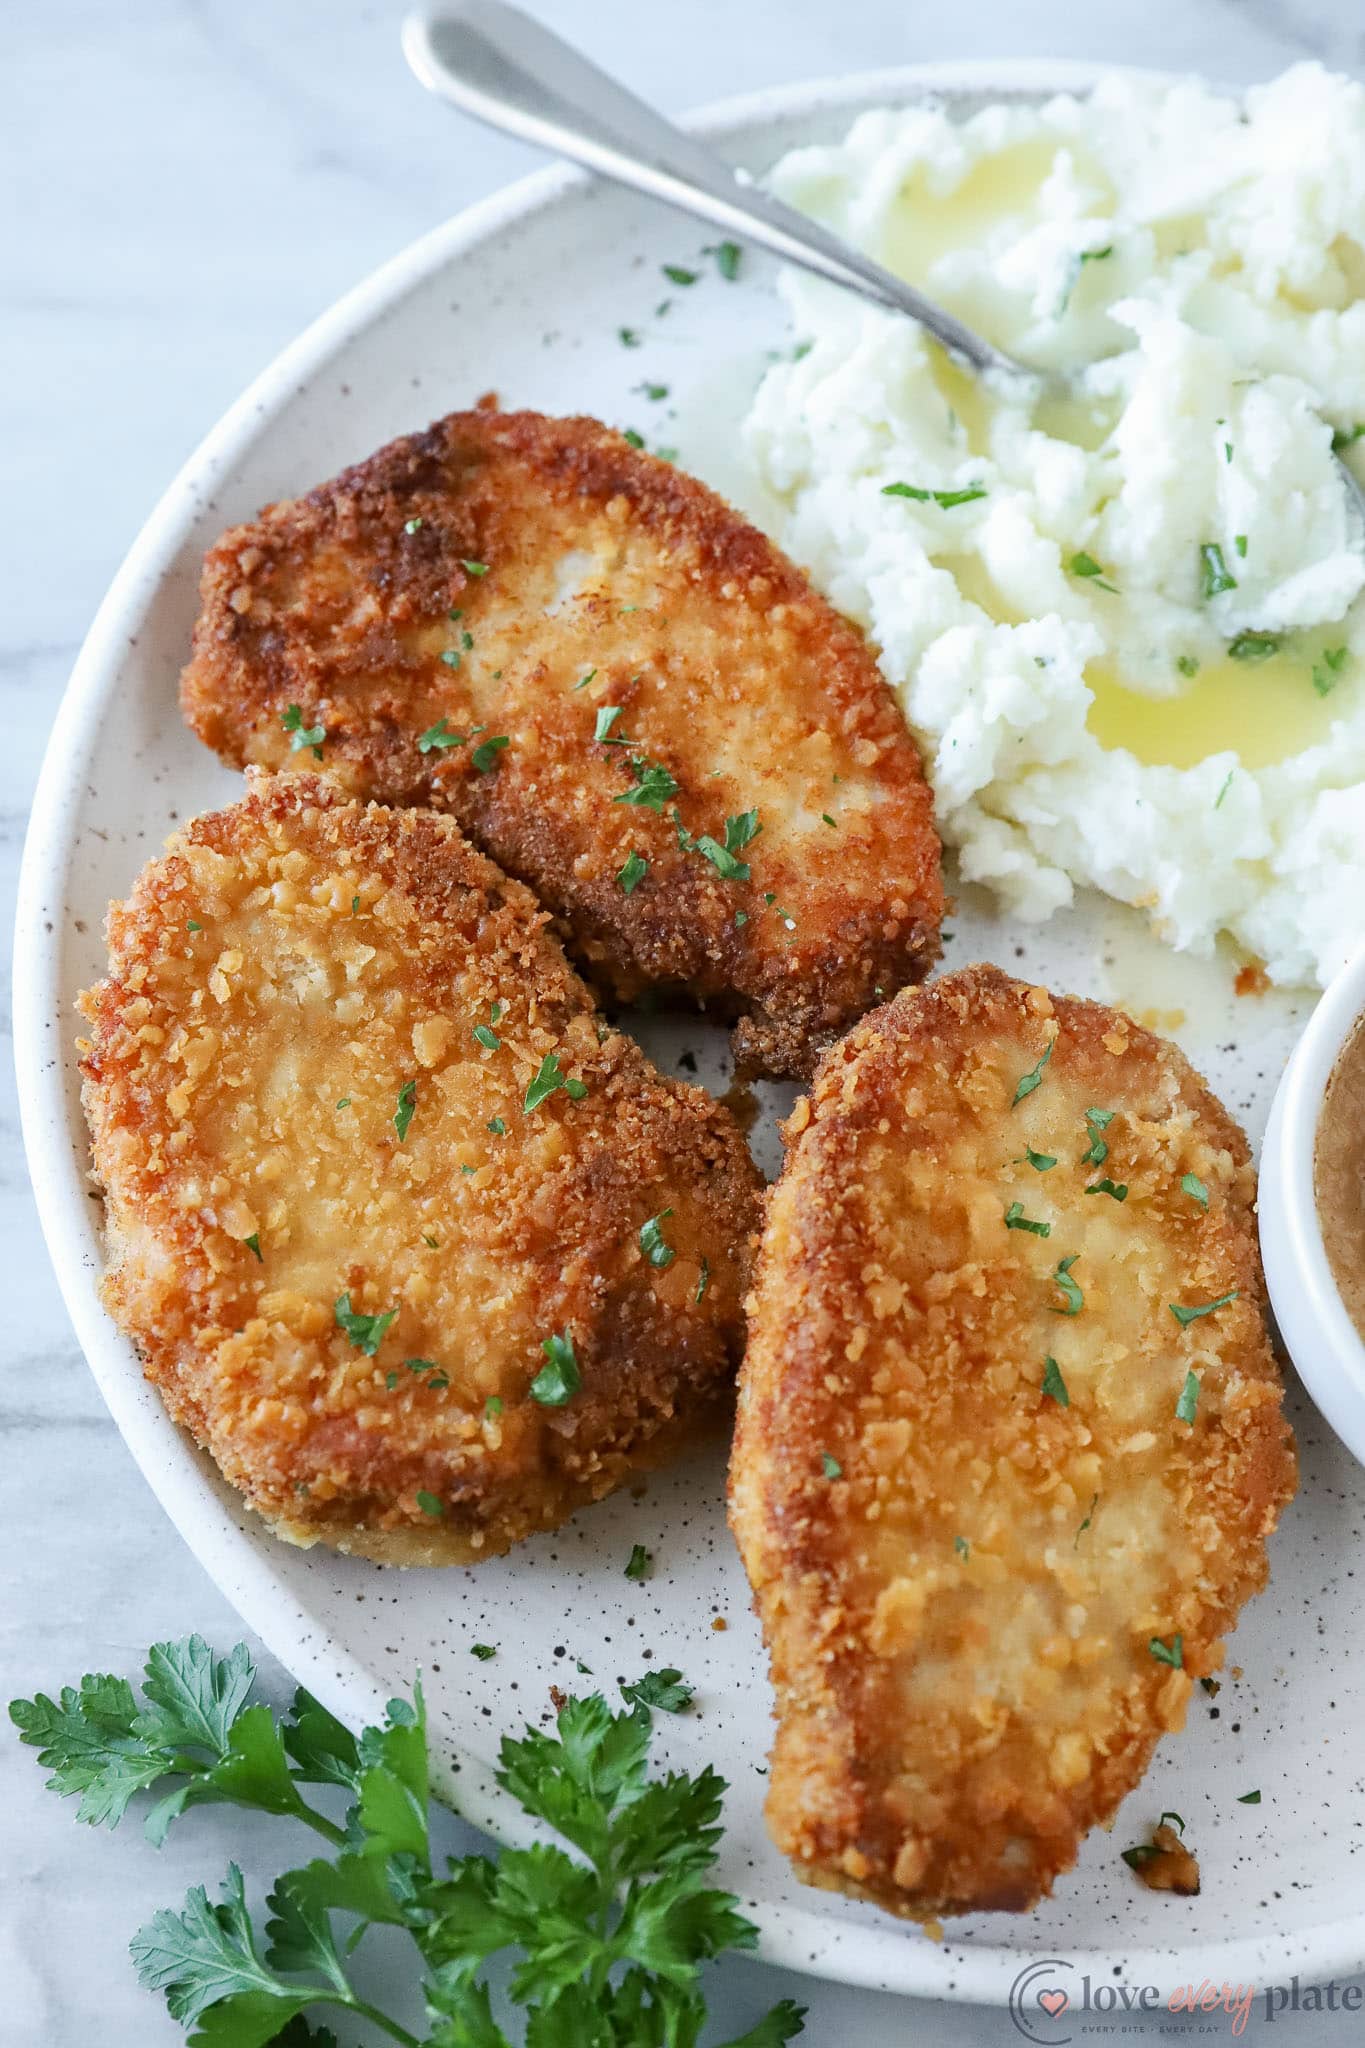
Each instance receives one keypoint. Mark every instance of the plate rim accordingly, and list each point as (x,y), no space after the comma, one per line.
(883,1955)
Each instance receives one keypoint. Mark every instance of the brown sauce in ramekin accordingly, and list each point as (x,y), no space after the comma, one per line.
(1339,1174)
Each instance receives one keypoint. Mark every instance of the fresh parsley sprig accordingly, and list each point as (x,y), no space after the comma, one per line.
(608,1941)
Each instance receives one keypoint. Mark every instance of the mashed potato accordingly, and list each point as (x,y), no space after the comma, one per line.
(1127,624)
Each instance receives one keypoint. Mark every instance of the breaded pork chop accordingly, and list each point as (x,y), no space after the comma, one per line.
(1010,1441)
(623,693)
(415,1246)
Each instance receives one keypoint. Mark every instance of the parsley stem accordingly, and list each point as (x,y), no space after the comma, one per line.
(379,2019)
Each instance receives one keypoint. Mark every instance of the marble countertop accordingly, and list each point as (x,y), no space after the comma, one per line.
(191,181)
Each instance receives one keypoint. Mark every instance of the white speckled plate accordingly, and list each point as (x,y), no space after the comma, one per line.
(526,293)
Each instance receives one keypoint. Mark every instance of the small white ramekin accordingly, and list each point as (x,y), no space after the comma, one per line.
(1327,1349)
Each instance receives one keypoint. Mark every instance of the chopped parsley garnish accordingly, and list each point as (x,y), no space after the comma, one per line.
(407,1103)
(1345,436)
(633,872)
(640,1561)
(487,1037)
(550,1076)
(412,525)
(430,1242)
(301,735)
(1191,1185)
(1239,541)
(676,274)
(825,819)
(1217,576)
(1015,1219)
(703,1283)
(945,500)
(1174,1817)
(667,1689)
(653,786)
(727,255)
(429,1505)
(1227,785)
(1082,564)
(1172,1653)
(253,1244)
(344,1103)
(1327,672)
(438,1378)
(738,833)
(1187,664)
(497,1127)
(1187,1406)
(365,1332)
(483,1651)
(558,1379)
(1031,1080)
(1097,1151)
(194,925)
(1248,1798)
(439,735)
(1185,1316)
(634,440)
(830,1466)
(451,657)
(1089,1517)
(492,1407)
(653,391)
(583,681)
(1253,647)
(475,568)
(485,755)
(607,716)
(1054,1386)
(1071,1293)
(962,1547)
(1140,1853)
(1041,1162)
(652,1240)
(628,337)
(1119,1190)
(355,906)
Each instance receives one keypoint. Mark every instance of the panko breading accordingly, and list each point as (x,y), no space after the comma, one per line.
(998,1504)
(623,693)
(342,1229)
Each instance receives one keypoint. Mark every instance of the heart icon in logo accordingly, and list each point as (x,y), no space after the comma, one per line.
(1053,2002)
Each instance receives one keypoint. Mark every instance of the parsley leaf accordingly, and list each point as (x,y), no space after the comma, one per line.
(1253,646)
(1187,1406)
(1172,1653)
(558,1379)
(438,736)
(1054,1386)
(727,255)
(667,1689)
(1119,1189)
(830,1466)
(483,1651)
(607,715)
(676,274)
(653,786)
(1071,1293)
(633,872)
(1041,1162)
(548,1077)
(485,755)
(1185,1316)
(365,1332)
(1097,1151)
(703,1282)
(1248,1798)
(291,718)
(640,1563)
(1031,1080)
(1327,672)
(485,1035)
(253,1244)
(407,1103)
(652,1240)
(1191,1185)
(1015,1219)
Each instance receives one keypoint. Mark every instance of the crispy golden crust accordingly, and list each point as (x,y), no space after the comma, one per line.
(960,1621)
(277,979)
(727,669)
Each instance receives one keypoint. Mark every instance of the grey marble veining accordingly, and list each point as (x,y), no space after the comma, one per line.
(189,182)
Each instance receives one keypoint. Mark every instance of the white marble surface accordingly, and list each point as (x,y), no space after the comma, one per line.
(190,181)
